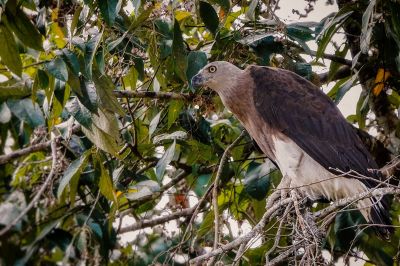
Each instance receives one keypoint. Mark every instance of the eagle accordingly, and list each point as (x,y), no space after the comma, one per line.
(302,131)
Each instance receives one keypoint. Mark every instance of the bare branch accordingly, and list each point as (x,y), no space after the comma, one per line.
(154,95)
(222,163)
(343,72)
(159,220)
(53,144)
(247,237)
(18,153)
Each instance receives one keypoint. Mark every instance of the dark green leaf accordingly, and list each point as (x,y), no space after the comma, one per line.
(330,29)
(22,27)
(179,53)
(153,123)
(87,95)
(196,61)
(104,89)
(80,113)
(73,171)
(90,51)
(164,161)
(26,111)
(256,181)
(108,9)
(299,31)
(8,51)
(174,108)
(72,61)
(105,184)
(43,79)
(58,69)
(209,16)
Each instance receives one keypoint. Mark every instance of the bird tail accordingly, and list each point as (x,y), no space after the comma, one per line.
(376,211)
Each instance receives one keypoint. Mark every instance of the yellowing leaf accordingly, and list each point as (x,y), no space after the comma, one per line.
(380,80)
(8,51)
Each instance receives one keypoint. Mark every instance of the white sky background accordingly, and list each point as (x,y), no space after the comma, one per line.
(347,107)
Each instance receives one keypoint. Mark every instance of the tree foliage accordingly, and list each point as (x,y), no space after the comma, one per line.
(108,84)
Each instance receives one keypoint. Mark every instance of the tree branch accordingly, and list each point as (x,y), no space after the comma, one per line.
(343,72)
(18,153)
(159,220)
(247,237)
(53,144)
(224,158)
(154,95)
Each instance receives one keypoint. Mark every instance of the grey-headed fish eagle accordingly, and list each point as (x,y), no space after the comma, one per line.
(299,128)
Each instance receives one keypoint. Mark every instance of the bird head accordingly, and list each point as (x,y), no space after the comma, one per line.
(216,75)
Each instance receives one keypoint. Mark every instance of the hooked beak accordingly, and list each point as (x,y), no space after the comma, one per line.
(198,80)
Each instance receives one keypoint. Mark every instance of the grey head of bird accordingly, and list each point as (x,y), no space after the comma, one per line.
(218,75)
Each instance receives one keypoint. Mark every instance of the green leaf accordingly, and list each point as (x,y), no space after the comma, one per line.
(79,112)
(108,9)
(164,161)
(154,123)
(8,51)
(174,108)
(209,17)
(22,27)
(330,29)
(256,181)
(343,89)
(299,31)
(87,95)
(58,69)
(179,53)
(366,31)
(73,171)
(27,111)
(104,132)
(90,51)
(72,61)
(143,189)
(14,88)
(105,184)
(207,225)
(104,88)
(196,61)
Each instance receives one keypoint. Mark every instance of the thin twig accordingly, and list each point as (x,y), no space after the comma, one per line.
(53,144)
(154,95)
(222,163)
(159,220)
(247,237)
(18,153)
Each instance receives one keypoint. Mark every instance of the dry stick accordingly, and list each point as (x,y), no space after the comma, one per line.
(34,148)
(347,201)
(154,95)
(284,255)
(42,188)
(18,153)
(278,233)
(224,158)
(247,237)
(158,220)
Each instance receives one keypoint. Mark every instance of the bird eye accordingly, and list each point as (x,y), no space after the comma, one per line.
(212,69)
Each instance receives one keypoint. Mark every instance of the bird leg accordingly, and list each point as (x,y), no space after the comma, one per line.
(280,193)
(284,187)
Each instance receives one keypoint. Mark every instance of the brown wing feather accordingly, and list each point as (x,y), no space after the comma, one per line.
(301,111)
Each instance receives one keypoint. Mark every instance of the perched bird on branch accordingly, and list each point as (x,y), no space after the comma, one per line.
(299,128)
